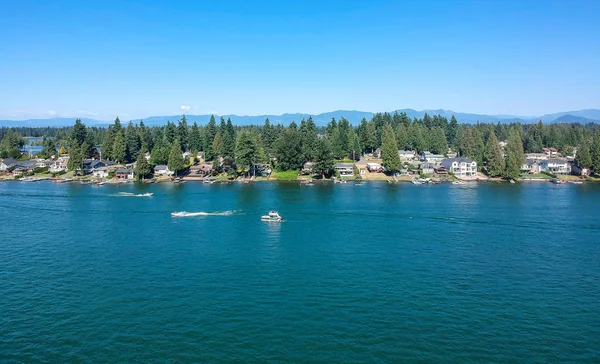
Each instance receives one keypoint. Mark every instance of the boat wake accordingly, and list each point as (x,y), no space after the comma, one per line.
(129,194)
(200,213)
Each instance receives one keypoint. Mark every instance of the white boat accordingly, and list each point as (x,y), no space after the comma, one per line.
(147,194)
(415,181)
(272,216)
(179,214)
(458,182)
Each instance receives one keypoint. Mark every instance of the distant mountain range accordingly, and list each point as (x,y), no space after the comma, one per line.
(580,116)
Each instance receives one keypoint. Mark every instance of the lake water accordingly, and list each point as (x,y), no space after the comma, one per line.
(372,273)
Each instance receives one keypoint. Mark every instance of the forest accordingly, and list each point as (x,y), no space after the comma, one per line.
(235,148)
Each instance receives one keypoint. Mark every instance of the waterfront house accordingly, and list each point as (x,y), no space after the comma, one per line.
(163,170)
(550,152)
(432,158)
(530,166)
(6,164)
(124,173)
(451,154)
(536,156)
(101,172)
(440,170)
(375,167)
(406,154)
(344,169)
(426,168)
(201,169)
(556,166)
(463,167)
(89,165)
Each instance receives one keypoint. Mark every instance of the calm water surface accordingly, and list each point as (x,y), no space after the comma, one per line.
(373,273)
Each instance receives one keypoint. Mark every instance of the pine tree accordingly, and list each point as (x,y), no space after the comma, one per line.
(143,169)
(584,156)
(438,143)
(11,144)
(160,154)
(132,141)
(217,145)
(467,144)
(371,136)
(493,156)
(389,150)
(288,149)
(246,149)
(119,148)
(195,139)
(182,133)
(76,157)
(209,136)
(176,162)
(79,133)
(514,155)
(170,133)
(452,131)
(308,132)
(596,152)
(228,139)
(323,159)
(109,141)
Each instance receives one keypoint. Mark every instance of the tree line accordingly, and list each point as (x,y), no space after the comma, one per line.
(236,148)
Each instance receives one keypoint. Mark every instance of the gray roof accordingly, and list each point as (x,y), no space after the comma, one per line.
(161,167)
(448,162)
(9,161)
(343,165)
(124,170)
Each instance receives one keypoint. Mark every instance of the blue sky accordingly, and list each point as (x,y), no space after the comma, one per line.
(134,59)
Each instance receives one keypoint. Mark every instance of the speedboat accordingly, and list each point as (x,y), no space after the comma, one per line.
(557,181)
(179,214)
(416,181)
(147,194)
(272,216)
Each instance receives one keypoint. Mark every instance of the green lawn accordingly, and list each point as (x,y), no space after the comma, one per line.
(285,176)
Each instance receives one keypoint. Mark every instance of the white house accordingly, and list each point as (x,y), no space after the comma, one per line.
(550,152)
(374,167)
(556,166)
(163,170)
(345,169)
(6,163)
(536,156)
(101,172)
(406,154)
(460,166)
(432,158)
(530,166)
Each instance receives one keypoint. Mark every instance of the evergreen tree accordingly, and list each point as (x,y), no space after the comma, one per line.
(109,141)
(209,136)
(324,158)
(170,133)
(514,155)
(467,144)
(132,141)
(49,147)
(143,169)
(438,143)
(76,157)
(119,148)
(402,136)
(417,138)
(182,133)
(160,154)
(246,149)
(337,146)
(176,162)
(268,136)
(389,150)
(78,133)
(308,132)
(596,152)
(452,131)
(195,139)
(584,156)
(288,150)
(217,145)
(371,136)
(493,157)
(228,139)
(11,145)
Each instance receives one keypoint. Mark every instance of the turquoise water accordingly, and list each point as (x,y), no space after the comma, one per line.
(373,273)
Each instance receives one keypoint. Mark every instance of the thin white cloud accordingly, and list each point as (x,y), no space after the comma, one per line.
(184,108)
(51,112)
